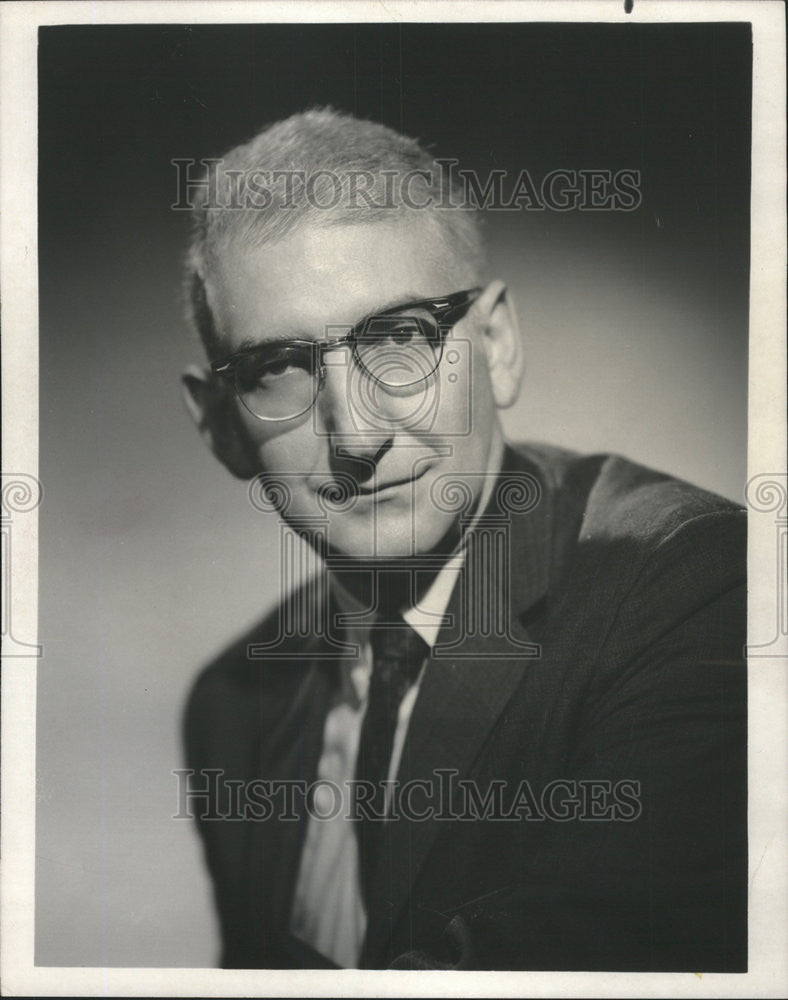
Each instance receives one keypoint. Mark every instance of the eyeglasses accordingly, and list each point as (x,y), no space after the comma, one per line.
(399,348)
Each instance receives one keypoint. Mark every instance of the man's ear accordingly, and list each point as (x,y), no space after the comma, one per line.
(503,345)
(213,409)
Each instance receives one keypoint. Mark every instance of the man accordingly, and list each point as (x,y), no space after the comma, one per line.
(520,669)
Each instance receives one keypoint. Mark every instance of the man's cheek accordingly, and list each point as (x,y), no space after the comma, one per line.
(283,484)
(463,412)
(290,453)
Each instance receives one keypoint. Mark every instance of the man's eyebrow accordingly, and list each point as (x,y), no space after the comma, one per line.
(250,345)
(405,299)
(401,300)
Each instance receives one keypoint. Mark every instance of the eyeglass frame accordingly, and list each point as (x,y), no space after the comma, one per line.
(446,310)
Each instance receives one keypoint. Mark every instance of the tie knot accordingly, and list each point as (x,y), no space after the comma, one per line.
(397,651)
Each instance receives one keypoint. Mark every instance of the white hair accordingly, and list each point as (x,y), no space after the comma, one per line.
(334,169)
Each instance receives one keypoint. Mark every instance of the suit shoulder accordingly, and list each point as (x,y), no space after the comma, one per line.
(674,547)
(612,491)
(221,687)
(229,680)
(230,667)
(617,492)
(630,499)
(621,515)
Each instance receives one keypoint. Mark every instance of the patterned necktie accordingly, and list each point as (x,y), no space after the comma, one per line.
(397,657)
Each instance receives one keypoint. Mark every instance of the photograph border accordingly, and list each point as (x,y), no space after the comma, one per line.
(767,499)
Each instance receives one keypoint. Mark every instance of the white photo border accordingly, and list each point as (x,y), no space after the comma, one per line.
(768,678)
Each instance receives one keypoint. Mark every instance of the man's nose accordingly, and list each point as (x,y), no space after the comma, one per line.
(350,407)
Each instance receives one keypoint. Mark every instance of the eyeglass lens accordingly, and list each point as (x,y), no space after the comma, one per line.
(396,351)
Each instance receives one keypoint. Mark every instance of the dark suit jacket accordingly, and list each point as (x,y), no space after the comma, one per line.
(631,586)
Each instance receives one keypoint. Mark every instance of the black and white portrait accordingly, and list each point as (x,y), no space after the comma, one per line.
(392,496)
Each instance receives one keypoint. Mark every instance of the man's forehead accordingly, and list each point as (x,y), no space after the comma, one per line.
(318,276)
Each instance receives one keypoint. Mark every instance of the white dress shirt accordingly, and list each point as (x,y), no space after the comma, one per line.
(328,910)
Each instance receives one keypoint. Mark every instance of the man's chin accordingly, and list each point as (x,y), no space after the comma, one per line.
(391,542)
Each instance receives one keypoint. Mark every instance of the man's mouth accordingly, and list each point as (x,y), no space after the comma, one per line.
(380,487)
(340,490)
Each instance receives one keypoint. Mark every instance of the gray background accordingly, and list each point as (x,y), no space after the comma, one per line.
(152,559)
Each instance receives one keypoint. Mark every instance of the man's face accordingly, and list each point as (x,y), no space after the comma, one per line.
(392,445)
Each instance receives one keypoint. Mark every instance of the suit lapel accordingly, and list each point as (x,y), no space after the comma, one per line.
(468,681)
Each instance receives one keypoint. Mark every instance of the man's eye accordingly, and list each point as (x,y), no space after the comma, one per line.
(404,331)
(399,330)
(274,368)
(262,373)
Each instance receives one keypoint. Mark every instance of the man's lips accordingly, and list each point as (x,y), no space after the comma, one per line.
(345,486)
(381,486)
